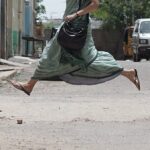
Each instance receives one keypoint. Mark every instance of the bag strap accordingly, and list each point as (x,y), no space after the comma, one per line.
(87,15)
(79,4)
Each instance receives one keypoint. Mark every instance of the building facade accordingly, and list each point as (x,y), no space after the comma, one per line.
(16,20)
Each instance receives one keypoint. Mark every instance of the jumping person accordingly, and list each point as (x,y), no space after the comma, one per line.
(87,67)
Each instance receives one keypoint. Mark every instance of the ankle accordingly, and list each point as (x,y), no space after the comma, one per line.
(28,86)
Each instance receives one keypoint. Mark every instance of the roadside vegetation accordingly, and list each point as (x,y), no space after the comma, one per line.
(121,13)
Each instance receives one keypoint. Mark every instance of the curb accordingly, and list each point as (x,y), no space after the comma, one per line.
(7,74)
(10,63)
(9,68)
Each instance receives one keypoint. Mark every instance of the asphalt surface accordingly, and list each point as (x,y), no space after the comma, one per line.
(59,116)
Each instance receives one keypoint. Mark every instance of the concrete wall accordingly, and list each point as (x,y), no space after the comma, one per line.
(10,41)
(111,41)
(9,29)
(13,25)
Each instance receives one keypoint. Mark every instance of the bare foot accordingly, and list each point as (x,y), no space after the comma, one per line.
(21,86)
(133,77)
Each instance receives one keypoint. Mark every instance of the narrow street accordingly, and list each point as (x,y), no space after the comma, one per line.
(60,116)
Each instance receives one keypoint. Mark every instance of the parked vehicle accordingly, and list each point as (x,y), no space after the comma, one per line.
(141,39)
(127,42)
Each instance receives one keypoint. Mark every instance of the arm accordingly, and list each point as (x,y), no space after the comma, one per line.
(90,8)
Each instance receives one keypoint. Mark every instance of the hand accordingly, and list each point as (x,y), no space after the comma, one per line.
(70,17)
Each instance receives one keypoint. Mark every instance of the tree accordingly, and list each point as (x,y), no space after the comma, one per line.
(120,13)
(40,10)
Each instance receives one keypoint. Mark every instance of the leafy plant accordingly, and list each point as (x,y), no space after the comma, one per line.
(40,10)
(120,13)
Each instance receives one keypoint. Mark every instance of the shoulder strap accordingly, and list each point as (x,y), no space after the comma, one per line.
(79,4)
(87,15)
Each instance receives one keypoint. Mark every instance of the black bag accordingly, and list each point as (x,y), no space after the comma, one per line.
(72,38)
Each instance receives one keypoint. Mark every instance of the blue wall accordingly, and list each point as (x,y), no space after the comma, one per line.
(28,22)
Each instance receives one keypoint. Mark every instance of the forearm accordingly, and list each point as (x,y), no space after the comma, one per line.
(90,8)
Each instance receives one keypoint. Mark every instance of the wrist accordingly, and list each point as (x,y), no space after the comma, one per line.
(77,14)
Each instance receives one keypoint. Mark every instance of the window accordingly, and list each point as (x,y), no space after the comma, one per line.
(145,27)
(136,27)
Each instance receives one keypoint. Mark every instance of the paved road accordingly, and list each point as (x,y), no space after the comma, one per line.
(59,116)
